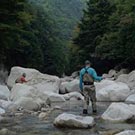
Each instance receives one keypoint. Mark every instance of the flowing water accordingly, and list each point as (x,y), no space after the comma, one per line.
(32,125)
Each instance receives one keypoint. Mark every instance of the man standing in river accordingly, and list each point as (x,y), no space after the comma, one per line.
(87,77)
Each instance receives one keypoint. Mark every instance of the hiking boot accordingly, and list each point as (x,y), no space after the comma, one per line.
(94,111)
(85,111)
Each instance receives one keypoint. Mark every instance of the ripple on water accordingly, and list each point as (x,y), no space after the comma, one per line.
(32,125)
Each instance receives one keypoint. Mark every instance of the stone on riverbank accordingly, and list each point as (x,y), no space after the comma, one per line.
(116,91)
(131,99)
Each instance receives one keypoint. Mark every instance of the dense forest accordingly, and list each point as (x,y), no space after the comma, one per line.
(36,33)
(56,36)
(107,34)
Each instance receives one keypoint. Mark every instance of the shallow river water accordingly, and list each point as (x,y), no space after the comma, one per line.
(32,125)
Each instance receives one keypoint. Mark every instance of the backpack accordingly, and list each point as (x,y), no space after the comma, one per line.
(87,78)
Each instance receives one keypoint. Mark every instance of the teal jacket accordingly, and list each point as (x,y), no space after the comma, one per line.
(92,72)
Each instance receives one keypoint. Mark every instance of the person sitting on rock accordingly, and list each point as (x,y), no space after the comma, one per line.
(21,79)
(87,77)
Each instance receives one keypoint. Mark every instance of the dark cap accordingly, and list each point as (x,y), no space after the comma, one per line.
(87,62)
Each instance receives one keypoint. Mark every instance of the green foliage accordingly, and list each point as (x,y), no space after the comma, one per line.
(35,33)
(107,31)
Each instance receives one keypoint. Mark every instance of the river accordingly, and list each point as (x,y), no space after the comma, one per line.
(32,125)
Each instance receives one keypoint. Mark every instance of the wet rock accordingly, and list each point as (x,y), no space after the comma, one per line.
(115,92)
(73,121)
(4,92)
(119,112)
(131,99)
(43,115)
(127,132)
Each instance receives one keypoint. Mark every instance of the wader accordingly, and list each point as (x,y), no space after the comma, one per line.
(89,94)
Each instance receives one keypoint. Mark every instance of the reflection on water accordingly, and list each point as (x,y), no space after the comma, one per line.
(32,125)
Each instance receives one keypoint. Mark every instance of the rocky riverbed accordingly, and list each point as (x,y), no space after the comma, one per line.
(37,108)
(27,124)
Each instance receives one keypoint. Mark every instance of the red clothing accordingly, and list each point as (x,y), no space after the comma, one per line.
(22,79)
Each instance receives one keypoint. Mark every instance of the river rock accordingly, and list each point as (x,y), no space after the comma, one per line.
(72,86)
(127,132)
(112,73)
(63,89)
(103,84)
(42,82)
(76,95)
(129,79)
(2,111)
(74,121)
(122,78)
(4,92)
(27,103)
(75,74)
(119,112)
(21,94)
(115,92)
(43,115)
(5,104)
(131,99)
(53,97)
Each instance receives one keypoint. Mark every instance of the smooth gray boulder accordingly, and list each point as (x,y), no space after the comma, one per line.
(2,111)
(74,121)
(115,91)
(119,112)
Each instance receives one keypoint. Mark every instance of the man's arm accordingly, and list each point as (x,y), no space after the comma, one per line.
(98,78)
(81,85)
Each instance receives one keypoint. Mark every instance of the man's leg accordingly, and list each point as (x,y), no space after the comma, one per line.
(86,100)
(93,99)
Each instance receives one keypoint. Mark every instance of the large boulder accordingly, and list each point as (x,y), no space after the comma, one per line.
(42,82)
(28,103)
(117,91)
(131,99)
(127,132)
(119,112)
(4,92)
(73,121)
(21,94)
(129,79)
